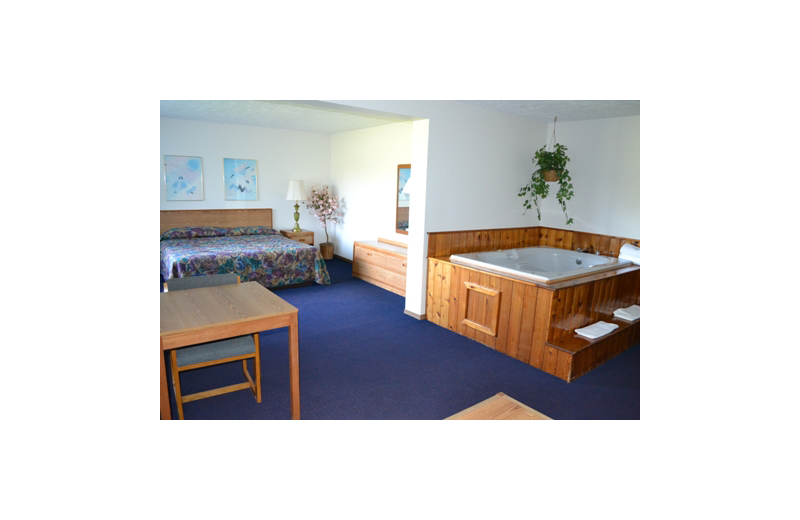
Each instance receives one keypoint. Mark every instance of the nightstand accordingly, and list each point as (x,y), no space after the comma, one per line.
(306,237)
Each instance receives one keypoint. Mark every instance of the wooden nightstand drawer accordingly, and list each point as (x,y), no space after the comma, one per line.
(306,237)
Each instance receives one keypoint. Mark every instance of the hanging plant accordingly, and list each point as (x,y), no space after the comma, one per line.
(552,167)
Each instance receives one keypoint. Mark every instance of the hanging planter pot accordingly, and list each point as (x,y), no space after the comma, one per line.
(550,175)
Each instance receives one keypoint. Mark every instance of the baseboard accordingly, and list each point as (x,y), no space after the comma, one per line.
(415,315)
(342,258)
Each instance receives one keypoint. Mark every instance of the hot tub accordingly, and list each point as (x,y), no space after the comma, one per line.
(539,264)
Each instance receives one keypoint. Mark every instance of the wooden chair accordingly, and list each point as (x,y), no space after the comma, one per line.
(214,352)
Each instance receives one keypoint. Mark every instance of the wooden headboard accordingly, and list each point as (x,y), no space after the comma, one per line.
(224,218)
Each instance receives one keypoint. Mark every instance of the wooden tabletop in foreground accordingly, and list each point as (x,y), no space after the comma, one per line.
(499,407)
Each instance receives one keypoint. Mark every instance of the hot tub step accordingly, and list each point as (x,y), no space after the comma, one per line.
(587,354)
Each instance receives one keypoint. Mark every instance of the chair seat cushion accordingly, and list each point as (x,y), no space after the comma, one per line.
(215,350)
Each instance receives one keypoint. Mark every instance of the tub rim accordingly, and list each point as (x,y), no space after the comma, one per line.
(539,279)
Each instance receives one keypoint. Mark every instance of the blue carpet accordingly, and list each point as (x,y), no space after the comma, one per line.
(361,357)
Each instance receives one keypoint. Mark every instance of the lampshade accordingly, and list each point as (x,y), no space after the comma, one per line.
(296,191)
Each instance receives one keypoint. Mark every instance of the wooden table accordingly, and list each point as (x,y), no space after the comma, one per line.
(196,316)
(499,407)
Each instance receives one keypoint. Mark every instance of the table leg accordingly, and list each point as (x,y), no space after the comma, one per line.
(294,367)
(165,411)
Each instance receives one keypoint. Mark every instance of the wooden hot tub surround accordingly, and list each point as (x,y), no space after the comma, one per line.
(531,322)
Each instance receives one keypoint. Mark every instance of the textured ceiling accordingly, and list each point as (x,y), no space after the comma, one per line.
(288,115)
(312,116)
(545,111)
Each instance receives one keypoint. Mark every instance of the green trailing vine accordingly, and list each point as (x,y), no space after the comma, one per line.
(538,188)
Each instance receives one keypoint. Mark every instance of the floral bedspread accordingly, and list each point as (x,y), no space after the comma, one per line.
(267,258)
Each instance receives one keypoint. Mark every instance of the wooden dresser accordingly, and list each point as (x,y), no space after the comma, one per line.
(381,263)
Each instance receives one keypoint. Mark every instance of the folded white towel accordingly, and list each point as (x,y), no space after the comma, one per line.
(631,313)
(629,252)
(596,330)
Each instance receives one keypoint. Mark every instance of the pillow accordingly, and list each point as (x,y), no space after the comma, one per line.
(193,232)
(250,230)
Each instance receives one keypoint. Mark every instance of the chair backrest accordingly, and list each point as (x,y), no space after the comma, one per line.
(196,282)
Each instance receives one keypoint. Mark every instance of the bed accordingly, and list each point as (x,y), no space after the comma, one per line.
(206,242)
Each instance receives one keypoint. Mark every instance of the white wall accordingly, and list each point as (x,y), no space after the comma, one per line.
(364,176)
(604,166)
(281,154)
(477,161)
(473,165)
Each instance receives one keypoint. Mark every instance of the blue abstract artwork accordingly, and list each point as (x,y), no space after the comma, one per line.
(241,179)
(183,177)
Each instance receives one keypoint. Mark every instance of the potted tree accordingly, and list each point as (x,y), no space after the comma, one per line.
(323,205)
(552,167)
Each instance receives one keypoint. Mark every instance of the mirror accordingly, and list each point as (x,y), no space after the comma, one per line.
(403,198)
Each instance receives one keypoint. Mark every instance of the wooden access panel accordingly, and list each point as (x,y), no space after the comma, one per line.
(481,308)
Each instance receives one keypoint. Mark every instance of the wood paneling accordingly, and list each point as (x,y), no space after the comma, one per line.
(585,304)
(496,311)
(527,321)
(588,354)
(444,244)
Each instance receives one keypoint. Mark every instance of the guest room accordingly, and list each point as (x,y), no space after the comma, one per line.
(417,191)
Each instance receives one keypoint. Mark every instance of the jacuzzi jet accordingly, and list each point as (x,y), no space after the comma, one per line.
(579,261)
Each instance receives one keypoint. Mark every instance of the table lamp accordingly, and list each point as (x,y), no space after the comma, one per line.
(296,193)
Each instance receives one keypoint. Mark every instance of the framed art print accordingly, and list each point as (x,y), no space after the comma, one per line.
(183,177)
(241,179)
